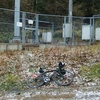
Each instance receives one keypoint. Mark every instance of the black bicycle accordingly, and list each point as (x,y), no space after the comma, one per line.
(60,76)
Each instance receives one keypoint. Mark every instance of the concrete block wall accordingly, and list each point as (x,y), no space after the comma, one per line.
(10,46)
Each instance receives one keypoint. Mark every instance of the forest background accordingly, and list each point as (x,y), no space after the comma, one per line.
(56,7)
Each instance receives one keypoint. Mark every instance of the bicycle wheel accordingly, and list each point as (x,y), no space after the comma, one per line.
(63,79)
(34,82)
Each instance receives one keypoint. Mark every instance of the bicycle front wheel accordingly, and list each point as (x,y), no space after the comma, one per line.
(34,82)
(63,79)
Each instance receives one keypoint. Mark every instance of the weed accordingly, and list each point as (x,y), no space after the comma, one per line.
(91,72)
(10,82)
(94,71)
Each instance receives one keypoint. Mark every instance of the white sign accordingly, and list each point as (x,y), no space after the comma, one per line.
(67,30)
(30,21)
(86,32)
(19,24)
(97,34)
(71,13)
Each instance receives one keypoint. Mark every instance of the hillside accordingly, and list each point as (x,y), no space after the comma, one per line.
(82,61)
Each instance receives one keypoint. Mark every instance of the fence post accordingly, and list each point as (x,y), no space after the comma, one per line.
(52,32)
(93,30)
(23,27)
(73,35)
(36,32)
(64,30)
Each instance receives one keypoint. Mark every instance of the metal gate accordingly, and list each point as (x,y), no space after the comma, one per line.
(82,30)
(29,27)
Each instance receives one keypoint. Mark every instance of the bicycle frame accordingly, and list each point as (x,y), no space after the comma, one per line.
(46,78)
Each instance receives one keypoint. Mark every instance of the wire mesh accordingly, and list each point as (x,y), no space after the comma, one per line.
(54,24)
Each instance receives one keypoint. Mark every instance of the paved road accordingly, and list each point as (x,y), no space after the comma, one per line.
(61,93)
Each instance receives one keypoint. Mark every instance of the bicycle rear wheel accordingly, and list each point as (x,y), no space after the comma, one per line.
(34,82)
(63,79)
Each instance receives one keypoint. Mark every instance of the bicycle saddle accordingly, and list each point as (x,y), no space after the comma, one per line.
(41,70)
(61,64)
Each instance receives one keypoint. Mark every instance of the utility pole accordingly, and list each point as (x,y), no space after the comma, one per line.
(70,10)
(70,19)
(16,21)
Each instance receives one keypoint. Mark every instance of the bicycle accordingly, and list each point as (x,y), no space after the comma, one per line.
(60,76)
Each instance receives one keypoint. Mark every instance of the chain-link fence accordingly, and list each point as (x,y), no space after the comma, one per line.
(82,30)
(53,29)
(96,27)
(50,28)
(6,25)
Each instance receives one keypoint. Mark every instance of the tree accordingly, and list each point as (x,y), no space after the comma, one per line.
(8,4)
(59,7)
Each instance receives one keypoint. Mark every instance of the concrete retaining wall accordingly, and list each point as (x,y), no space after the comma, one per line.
(10,46)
